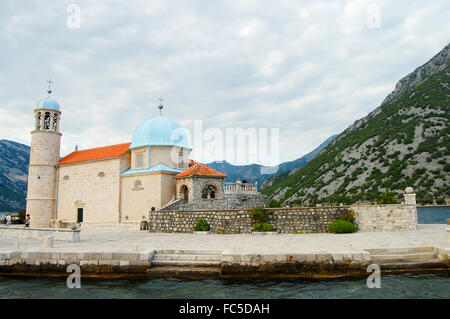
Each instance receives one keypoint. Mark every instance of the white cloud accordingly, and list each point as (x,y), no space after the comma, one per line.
(308,68)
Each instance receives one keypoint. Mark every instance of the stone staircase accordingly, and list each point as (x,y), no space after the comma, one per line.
(186,263)
(406,258)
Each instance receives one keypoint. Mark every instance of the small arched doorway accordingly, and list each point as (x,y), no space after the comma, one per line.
(184,191)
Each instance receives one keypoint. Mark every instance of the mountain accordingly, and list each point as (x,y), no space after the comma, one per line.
(258,173)
(14,159)
(404,142)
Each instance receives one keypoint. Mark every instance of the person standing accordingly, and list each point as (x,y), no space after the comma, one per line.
(27,220)
(8,219)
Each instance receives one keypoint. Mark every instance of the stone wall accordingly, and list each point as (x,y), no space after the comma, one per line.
(385,217)
(287,220)
(227,201)
(235,221)
(195,186)
(90,262)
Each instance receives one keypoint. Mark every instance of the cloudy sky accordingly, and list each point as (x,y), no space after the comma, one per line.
(308,68)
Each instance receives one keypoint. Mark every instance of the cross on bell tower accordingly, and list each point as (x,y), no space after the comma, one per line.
(160,106)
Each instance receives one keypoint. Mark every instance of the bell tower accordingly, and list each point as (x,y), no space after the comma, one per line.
(44,156)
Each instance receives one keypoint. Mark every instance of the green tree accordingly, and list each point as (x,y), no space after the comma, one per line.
(387,198)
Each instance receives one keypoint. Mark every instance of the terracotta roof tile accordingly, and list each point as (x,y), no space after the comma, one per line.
(199,169)
(95,154)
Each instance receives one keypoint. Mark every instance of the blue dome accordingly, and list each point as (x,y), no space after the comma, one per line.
(48,103)
(160,131)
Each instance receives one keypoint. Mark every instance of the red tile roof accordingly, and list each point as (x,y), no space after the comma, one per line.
(95,154)
(199,169)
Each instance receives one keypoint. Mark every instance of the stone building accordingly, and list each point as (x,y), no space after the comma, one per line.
(120,184)
(202,188)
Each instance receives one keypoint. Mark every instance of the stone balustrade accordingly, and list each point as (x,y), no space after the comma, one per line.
(246,188)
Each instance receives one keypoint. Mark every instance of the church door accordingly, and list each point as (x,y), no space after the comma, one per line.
(186,194)
(80,215)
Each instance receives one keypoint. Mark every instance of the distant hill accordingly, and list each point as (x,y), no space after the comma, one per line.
(254,172)
(404,142)
(14,159)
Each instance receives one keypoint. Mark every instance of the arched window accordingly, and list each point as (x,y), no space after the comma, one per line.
(209,191)
(47,121)
(55,122)
(38,122)
(138,184)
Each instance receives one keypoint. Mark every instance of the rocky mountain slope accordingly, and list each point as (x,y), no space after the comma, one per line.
(256,173)
(14,158)
(404,142)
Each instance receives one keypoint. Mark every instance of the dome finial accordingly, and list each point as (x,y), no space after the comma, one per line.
(160,106)
(49,91)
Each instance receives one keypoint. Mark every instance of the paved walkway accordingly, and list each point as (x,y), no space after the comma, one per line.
(103,240)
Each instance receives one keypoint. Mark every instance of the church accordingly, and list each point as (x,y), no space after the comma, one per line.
(121,184)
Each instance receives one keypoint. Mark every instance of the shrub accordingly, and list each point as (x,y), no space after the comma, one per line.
(263,227)
(348,216)
(202,225)
(387,198)
(260,215)
(274,203)
(340,226)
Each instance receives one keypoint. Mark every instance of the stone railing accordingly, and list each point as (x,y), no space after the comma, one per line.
(39,233)
(233,188)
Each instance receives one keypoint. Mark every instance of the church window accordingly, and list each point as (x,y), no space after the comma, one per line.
(38,124)
(139,160)
(55,121)
(101,174)
(66,178)
(180,159)
(137,184)
(47,121)
(209,191)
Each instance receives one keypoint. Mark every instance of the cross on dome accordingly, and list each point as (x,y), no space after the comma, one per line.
(49,91)
(160,106)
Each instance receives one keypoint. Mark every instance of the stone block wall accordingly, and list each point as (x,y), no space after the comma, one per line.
(372,218)
(227,201)
(96,262)
(305,219)
(238,221)
(287,220)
